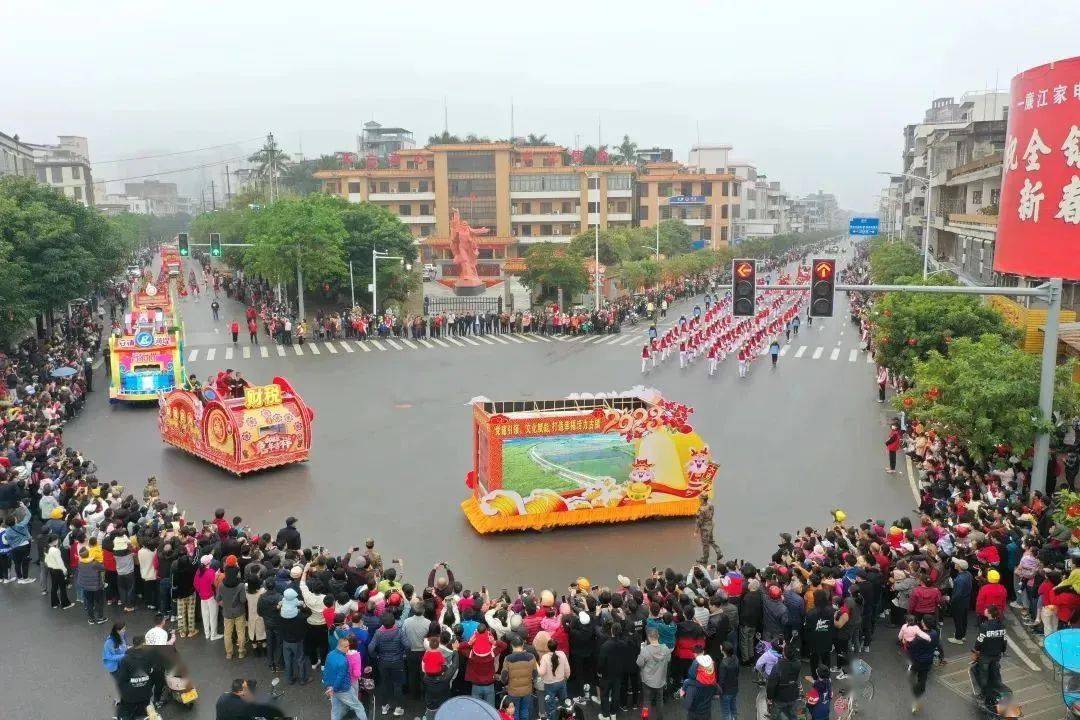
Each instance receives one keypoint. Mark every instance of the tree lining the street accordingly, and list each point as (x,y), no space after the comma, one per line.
(892,260)
(550,268)
(907,327)
(52,250)
(307,231)
(986,393)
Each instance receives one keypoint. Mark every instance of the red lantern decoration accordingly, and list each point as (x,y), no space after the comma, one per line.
(576,156)
(602,156)
(347,159)
(908,402)
(394,159)
(934,392)
(371,162)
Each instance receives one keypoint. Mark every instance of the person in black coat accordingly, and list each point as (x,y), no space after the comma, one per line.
(140,678)
(288,537)
(582,653)
(610,668)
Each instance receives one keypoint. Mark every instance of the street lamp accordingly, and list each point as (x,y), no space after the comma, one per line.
(376,256)
(926,227)
(596,258)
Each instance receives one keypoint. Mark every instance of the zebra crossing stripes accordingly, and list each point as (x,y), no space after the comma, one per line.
(801,351)
(817,352)
(345,346)
(330,348)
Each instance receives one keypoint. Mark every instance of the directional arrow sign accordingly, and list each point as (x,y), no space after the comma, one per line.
(744,270)
(823,269)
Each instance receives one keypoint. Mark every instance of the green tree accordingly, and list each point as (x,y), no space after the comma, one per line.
(909,326)
(232,224)
(270,160)
(639,274)
(626,151)
(307,231)
(65,249)
(986,392)
(371,227)
(299,178)
(16,310)
(890,261)
(537,141)
(549,268)
(444,138)
(613,246)
(675,238)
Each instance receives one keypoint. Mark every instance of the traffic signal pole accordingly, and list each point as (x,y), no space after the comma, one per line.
(1049,292)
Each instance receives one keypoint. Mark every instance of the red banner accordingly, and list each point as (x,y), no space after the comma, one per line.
(1039,219)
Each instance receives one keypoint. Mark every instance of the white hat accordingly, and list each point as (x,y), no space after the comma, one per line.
(624,581)
(583,617)
(705,661)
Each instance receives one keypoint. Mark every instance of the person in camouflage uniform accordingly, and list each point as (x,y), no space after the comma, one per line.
(704,523)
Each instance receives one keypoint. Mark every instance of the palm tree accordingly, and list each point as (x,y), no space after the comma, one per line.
(626,151)
(270,161)
(537,141)
(444,138)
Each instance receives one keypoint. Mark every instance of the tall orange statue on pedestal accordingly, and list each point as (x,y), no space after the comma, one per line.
(464,247)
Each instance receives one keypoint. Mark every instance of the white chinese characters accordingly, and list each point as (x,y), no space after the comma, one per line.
(1035,147)
(1071,147)
(1069,207)
(1030,197)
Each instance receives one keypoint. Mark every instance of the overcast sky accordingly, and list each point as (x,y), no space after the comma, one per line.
(816,94)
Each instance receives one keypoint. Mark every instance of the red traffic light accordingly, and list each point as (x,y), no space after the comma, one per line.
(823,269)
(744,269)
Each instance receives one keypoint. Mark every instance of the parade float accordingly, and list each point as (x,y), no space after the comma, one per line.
(267,426)
(146,356)
(584,460)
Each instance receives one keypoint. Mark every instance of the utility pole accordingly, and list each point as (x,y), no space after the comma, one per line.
(228,186)
(202,207)
(213,196)
(1041,461)
(299,289)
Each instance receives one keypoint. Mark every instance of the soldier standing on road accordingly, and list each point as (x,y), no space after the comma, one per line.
(372,555)
(705,531)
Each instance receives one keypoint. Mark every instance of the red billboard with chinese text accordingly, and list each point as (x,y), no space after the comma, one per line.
(1039,217)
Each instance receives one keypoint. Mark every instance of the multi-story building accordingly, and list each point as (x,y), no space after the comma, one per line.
(523,195)
(66,167)
(762,209)
(382,142)
(891,206)
(654,154)
(16,157)
(707,202)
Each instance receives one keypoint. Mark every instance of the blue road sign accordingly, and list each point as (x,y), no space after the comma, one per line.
(864,226)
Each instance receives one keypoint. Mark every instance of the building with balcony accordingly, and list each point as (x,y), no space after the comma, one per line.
(707,202)
(382,142)
(66,167)
(16,157)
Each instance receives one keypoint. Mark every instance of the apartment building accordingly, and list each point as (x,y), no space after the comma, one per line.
(66,167)
(522,194)
(16,157)
(707,202)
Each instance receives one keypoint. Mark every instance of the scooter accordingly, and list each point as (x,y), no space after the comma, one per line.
(996,703)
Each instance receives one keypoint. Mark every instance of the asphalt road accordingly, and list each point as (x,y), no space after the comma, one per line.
(390,453)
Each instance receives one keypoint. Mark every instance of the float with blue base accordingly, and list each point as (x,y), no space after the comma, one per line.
(270,425)
(146,358)
(584,460)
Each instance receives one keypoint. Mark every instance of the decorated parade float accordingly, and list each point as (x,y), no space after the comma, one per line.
(146,357)
(263,427)
(584,460)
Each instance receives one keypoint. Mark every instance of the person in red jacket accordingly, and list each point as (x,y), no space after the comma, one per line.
(892,445)
(482,652)
(234,328)
(992,593)
(925,599)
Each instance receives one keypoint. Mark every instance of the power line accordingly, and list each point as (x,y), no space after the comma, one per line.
(180,170)
(178,152)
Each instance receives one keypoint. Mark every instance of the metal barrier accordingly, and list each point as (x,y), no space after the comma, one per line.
(459,305)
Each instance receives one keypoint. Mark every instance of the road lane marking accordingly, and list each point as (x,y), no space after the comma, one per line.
(484,340)
(500,340)
(425,343)
(869,357)
(314,349)
(799,353)
(839,342)
(437,341)
(543,338)
(246,352)
(345,346)
(281,350)
(519,342)
(469,340)
(817,352)
(377,344)
(330,347)
(228,353)
(263,352)
(529,338)
(853,355)
(834,354)
(298,349)
(193,355)
(783,350)
(408,342)
(363,346)
(393,344)
(455,341)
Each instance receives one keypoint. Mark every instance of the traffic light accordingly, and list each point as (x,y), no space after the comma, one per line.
(215,244)
(822,287)
(183,242)
(744,287)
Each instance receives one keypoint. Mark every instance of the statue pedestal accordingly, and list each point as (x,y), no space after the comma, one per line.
(469,290)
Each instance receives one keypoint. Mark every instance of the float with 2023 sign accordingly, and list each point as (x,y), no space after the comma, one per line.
(269,426)
(584,460)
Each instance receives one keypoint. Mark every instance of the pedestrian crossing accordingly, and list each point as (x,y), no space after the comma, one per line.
(229,353)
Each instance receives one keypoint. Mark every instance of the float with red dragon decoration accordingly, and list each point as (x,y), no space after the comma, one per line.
(584,460)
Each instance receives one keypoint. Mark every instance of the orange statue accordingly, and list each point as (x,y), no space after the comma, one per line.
(464,247)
